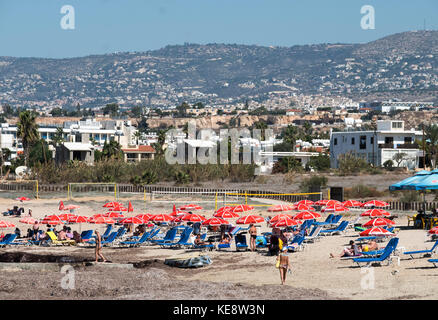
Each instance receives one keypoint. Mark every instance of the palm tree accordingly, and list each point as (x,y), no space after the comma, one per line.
(137,135)
(112,150)
(27,131)
(431,135)
(261,125)
(58,137)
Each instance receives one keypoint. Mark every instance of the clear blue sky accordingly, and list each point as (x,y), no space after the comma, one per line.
(31,28)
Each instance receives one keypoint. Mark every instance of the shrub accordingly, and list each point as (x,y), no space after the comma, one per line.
(361,191)
(388,165)
(349,164)
(316,181)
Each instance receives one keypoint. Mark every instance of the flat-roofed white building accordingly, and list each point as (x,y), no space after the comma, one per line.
(378,146)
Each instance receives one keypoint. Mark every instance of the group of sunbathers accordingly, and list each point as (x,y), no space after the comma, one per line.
(356,250)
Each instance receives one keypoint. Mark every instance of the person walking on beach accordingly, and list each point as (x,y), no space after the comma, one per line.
(253,235)
(99,247)
(283,264)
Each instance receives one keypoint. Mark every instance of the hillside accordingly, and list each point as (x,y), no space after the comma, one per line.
(400,64)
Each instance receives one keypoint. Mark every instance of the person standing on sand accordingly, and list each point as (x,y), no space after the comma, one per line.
(99,247)
(284,264)
(253,235)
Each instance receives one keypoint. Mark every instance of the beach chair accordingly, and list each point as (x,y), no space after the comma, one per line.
(296,244)
(434,261)
(385,256)
(107,241)
(7,239)
(107,232)
(241,243)
(313,235)
(423,252)
(328,220)
(86,235)
(54,240)
(169,237)
(338,230)
(182,242)
(352,224)
(136,242)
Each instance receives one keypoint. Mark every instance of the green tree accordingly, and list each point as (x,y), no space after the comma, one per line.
(136,111)
(319,163)
(399,158)
(27,131)
(431,136)
(58,137)
(39,153)
(111,109)
(112,150)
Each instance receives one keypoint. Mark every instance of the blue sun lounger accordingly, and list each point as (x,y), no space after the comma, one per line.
(184,241)
(434,261)
(339,229)
(137,242)
(169,237)
(109,240)
(241,242)
(107,231)
(86,235)
(423,252)
(385,256)
(7,239)
(328,220)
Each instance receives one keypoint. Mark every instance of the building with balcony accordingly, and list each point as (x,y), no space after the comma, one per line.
(378,146)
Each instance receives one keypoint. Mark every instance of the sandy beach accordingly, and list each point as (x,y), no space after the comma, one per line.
(232,275)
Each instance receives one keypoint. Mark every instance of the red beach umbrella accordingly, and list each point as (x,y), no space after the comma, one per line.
(375,231)
(252,218)
(66,216)
(222,209)
(6,224)
(322,202)
(306,202)
(130,207)
(144,216)
(161,218)
(304,207)
(242,208)
(132,220)
(335,208)
(352,203)
(280,207)
(214,222)
(113,214)
(193,218)
(112,204)
(28,220)
(376,203)
(306,215)
(61,205)
(285,222)
(375,213)
(378,222)
(333,203)
(118,208)
(22,199)
(178,213)
(434,230)
(191,207)
(102,220)
(279,217)
(79,219)
(226,215)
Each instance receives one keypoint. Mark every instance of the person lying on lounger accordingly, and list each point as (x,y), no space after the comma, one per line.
(226,239)
(370,246)
(352,251)
(198,241)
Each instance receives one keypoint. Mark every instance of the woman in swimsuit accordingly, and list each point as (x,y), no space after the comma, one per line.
(284,266)
(253,234)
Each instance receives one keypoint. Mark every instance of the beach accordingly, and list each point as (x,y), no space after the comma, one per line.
(232,275)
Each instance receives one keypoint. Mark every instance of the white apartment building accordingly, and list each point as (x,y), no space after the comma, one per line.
(378,146)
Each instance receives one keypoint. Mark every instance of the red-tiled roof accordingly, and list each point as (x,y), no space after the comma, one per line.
(144,149)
